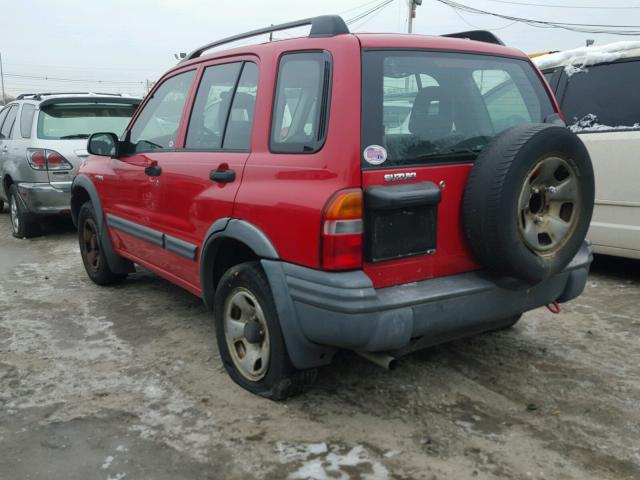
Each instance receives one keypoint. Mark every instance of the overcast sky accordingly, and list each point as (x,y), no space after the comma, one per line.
(134,40)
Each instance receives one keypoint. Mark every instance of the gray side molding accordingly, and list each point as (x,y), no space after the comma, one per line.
(230,228)
(116,263)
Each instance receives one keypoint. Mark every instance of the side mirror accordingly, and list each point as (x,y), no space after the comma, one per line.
(105,144)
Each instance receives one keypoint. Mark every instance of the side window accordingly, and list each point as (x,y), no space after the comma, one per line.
(157,125)
(26,119)
(3,115)
(300,115)
(240,122)
(603,98)
(210,109)
(509,101)
(7,126)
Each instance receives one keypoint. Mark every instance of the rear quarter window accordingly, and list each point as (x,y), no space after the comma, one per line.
(603,98)
(301,109)
(26,119)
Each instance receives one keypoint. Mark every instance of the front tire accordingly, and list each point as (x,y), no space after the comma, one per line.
(91,250)
(23,223)
(249,336)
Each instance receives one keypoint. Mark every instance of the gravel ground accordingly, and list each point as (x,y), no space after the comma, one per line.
(126,383)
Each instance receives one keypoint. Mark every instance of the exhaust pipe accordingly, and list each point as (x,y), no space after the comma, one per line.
(383,360)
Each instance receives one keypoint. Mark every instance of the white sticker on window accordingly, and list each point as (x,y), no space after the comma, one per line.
(375,154)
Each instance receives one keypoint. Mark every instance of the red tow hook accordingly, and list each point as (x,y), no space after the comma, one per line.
(554,307)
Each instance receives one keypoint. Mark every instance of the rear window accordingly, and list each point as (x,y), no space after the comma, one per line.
(432,107)
(80,120)
(603,98)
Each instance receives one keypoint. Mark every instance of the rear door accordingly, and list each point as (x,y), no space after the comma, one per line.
(199,182)
(425,118)
(3,115)
(10,114)
(602,105)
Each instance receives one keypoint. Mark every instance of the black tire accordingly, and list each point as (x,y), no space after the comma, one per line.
(504,175)
(91,248)
(280,379)
(1,206)
(24,224)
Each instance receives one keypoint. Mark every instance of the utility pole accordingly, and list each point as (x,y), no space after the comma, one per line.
(2,80)
(412,13)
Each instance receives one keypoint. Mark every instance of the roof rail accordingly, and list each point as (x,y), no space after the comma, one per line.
(477,35)
(322,26)
(38,96)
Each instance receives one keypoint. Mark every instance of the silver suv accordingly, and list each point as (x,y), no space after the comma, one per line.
(43,140)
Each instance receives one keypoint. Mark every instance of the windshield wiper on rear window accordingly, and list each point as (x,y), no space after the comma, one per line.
(75,135)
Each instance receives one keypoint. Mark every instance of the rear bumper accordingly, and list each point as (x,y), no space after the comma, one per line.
(320,311)
(46,198)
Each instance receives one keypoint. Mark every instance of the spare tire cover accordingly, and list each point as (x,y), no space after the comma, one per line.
(528,201)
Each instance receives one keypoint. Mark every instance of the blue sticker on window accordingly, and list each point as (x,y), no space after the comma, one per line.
(375,154)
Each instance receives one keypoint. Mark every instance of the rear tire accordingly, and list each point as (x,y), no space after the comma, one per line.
(24,224)
(1,206)
(91,248)
(249,336)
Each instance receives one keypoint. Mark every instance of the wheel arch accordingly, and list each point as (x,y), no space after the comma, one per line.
(227,243)
(83,190)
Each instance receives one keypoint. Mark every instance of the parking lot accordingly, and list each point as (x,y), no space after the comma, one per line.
(126,383)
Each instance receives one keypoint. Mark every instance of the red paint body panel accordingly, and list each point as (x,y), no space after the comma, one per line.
(452,254)
(282,194)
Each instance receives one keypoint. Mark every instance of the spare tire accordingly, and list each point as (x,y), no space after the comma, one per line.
(528,201)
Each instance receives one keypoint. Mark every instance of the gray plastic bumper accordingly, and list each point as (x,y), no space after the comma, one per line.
(46,198)
(320,311)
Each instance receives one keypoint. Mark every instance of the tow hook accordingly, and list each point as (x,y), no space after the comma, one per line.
(554,307)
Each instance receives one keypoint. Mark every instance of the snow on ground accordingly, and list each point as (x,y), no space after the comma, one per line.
(319,461)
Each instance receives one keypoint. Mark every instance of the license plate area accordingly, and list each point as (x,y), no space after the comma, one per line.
(400,221)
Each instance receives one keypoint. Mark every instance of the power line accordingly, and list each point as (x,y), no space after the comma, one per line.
(590,7)
(358,7)
(577,27)
(481,28)
(369,12)
(373,14)
(59,79)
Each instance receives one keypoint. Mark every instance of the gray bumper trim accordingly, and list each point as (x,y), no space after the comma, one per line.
(343,310)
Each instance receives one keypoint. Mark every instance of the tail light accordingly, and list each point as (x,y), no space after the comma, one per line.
(342,231)
(40,159)
(37,159)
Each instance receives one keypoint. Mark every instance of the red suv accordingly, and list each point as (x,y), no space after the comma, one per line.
(377,193)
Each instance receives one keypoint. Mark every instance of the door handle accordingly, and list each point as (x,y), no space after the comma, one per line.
(5,149)
(153,170)
(222,176)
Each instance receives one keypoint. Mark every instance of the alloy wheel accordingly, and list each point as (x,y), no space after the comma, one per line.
(15,218)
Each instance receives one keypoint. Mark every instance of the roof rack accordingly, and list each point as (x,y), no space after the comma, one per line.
(322,26)
(477,35)
(38,96)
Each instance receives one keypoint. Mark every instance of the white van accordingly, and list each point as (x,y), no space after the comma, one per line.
(598,89)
